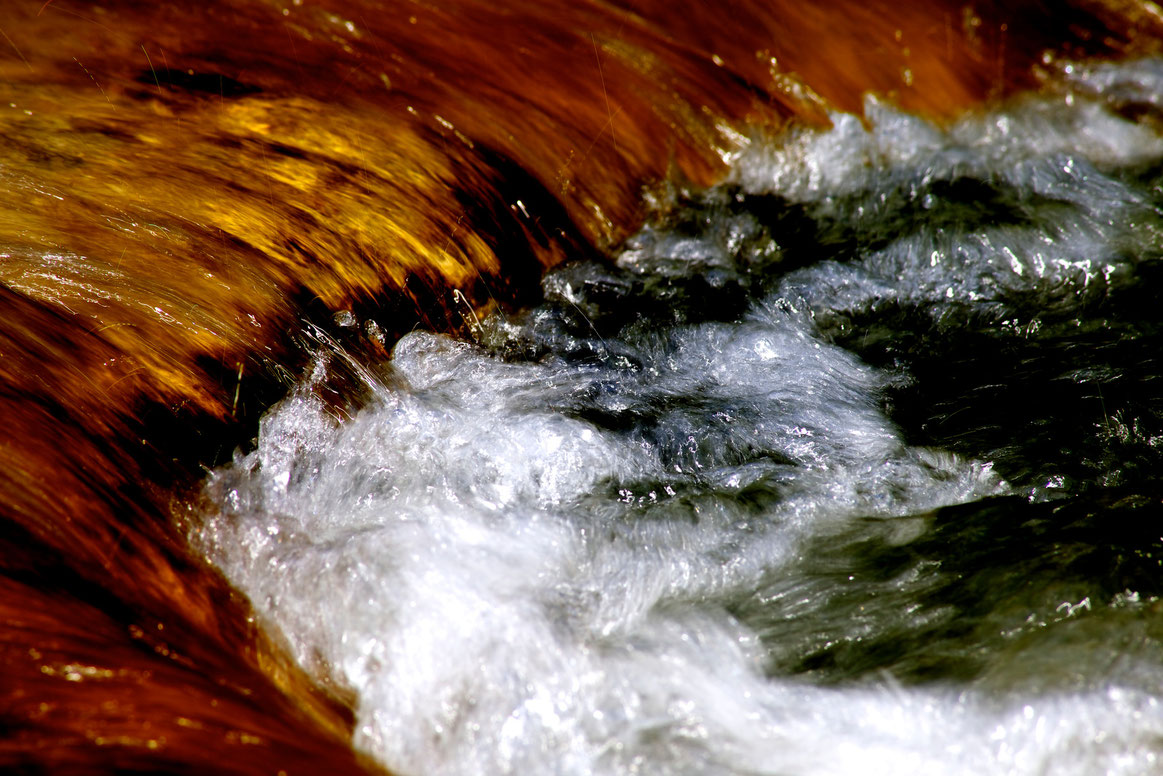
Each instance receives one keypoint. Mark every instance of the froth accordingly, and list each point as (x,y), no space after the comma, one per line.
(535,564)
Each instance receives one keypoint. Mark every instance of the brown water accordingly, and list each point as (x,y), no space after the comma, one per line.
(192,193)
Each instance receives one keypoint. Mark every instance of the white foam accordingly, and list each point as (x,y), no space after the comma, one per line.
(889,146)
(512,585)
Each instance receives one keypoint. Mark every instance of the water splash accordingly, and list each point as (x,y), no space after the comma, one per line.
(675,520)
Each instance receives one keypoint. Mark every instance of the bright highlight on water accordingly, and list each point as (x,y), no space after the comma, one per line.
(848,466)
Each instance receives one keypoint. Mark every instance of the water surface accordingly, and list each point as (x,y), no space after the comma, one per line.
(849,465)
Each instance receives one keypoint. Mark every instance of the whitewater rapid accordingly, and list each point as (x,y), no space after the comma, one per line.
(668,522)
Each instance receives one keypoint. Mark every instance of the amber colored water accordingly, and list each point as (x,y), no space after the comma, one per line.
(192,193)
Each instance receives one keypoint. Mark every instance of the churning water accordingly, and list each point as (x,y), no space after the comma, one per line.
(851,465)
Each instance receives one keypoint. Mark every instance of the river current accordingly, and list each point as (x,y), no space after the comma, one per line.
(850,465)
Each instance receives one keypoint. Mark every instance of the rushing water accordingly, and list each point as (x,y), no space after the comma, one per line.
(848,466)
